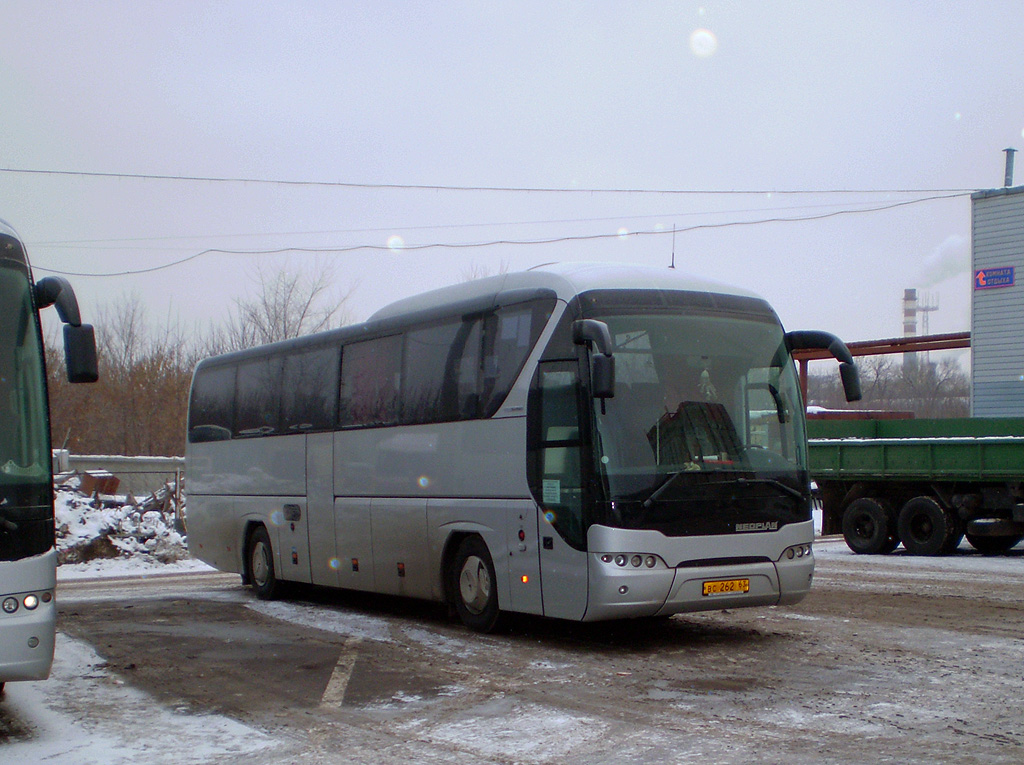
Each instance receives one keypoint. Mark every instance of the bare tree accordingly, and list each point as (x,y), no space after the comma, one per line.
(289,304)
(138,405)
(926,389)
(477,271)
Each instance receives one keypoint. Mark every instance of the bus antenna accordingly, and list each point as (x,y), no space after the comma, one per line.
(673,263)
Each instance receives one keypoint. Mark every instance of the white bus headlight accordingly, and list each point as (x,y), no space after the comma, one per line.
(31,601)
(798,551)
(10,605)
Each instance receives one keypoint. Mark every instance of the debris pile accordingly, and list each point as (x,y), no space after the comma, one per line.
(94,524)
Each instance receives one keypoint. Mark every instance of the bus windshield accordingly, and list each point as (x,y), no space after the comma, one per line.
(26,519)
(704,434)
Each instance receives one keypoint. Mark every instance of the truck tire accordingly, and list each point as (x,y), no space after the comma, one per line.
(993,545)
(869,527)
(926,527)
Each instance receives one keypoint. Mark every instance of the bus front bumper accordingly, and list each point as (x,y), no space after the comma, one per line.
(28,637)
(617,593)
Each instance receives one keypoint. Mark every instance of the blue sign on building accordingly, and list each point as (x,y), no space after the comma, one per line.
(988,278)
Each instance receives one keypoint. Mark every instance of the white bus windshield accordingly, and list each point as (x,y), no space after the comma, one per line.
(26,521)
(704,431)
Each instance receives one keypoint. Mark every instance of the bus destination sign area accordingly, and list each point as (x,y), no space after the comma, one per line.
(989,278)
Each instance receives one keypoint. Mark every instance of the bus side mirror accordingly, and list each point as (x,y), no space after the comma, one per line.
(814,339)
(851,381)
(80,353)
(602,375)
(602,362)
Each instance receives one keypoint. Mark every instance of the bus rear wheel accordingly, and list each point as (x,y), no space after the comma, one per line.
(473,586)
(260,557)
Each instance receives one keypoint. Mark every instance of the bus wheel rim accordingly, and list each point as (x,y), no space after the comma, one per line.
(260,564)
(475,584)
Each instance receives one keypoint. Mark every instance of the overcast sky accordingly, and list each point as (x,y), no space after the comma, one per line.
(897,101)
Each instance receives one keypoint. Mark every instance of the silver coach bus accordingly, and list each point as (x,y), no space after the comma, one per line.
(583,442)
(28,555)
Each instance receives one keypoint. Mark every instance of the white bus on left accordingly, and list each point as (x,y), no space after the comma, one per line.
(28,558)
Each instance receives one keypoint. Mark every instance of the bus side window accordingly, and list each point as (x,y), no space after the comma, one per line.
(509,336)
(211,410)
(439,377)
(258,391)
(370,381)
(309,389)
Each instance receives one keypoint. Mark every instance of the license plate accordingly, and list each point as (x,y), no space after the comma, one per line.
(726,586)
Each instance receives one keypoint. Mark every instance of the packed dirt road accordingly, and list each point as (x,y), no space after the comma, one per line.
(890,659)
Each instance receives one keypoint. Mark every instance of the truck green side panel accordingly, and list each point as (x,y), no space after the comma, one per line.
(898,450)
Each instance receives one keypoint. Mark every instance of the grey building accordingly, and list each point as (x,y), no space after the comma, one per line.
(997,303)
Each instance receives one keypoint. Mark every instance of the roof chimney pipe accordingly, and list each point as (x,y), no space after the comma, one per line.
(1009,167)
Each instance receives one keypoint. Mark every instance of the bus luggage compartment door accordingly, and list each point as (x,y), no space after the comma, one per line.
(292,539)
(399,531)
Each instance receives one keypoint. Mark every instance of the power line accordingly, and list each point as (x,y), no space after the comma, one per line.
(444,187)
(501,242)
(79,243)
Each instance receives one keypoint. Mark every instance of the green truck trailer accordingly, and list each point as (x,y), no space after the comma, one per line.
(925,483)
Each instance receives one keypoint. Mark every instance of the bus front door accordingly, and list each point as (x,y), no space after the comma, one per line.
(559,447)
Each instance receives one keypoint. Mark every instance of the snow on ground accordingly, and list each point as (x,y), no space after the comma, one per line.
(78,716)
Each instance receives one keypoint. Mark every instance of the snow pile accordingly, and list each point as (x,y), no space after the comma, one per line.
(112,527)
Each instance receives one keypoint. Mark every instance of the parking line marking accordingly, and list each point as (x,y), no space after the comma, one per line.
(334,693)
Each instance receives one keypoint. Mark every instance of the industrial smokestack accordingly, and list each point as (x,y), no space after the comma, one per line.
(1009,167)
(909,313)
(909,328)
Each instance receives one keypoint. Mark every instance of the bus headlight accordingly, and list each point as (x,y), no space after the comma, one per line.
(10,605)
(634,560)
(31,601)
(797,551)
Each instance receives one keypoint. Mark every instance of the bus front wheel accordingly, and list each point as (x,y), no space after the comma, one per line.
(261,565)
(473,586)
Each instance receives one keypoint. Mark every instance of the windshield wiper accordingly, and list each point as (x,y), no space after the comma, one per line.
(661,489)
(786,488)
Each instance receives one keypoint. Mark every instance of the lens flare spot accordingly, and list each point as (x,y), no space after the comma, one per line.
(277,518)
(424,481)
(549,516)
(395,243)
(703,43)
(623,232)
(334,563)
